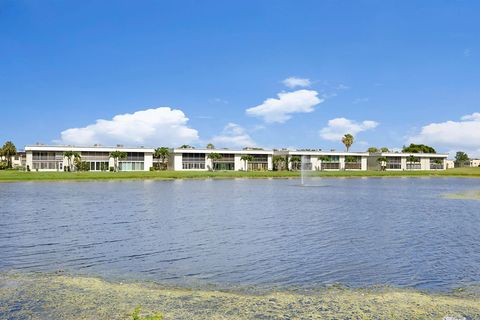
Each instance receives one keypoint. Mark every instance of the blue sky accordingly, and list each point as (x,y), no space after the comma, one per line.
(391,72)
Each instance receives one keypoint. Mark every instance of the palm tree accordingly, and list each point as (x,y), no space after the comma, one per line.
(295,160)
(210,146)
(214,157)
(348,140)
(383,162)
(69,155)
(116,155)
(162,153)
(278,162)
(8,151)
(246,158)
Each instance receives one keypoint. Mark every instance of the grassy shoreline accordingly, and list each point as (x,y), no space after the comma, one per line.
(54,296)
(12,175)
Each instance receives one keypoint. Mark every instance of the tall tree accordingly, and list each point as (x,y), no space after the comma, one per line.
(71,156)
(295,161)
(372,150)
(162,153)
(8,151)
(246,158)
(278,162)
(116,155)
(348,140)
(460,159)
(214,157)
(384,149)
(210,146)
(418,148)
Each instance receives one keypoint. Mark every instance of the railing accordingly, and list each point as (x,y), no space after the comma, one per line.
(436,166)
(353,165)
(330,165)
(414,166)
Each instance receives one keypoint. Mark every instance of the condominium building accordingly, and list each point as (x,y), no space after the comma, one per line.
(199,159)
(396,161)
(97,158)
(51,158)
(325,160)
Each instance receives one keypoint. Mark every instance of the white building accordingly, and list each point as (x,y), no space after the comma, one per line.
(51,158)
(326,160)
(450,164)
(198,159)
(408,161)
(474,162)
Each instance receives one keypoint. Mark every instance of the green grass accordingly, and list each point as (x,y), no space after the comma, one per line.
(12,175)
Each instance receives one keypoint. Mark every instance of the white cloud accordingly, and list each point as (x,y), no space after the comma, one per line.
(452,135)
(294,82)
(280,110)
(151,127)
(338,127)
(233,135)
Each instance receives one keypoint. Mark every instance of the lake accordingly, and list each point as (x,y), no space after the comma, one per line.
(241,233)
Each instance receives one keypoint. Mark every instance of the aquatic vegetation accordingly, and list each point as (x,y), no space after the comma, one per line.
(136,315)
(466,195)
(51,296)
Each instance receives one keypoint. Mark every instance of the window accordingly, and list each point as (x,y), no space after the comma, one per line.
(98,165)
(353,163)
(131,166)
(193,161)
(227,162)
(394,163)
(95,155)
(436,164)
(331,163)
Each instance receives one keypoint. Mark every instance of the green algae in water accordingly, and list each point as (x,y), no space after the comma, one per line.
(466,195)
(50,296)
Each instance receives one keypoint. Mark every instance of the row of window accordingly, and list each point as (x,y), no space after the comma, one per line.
(131,166)
(50,165)
(193,165)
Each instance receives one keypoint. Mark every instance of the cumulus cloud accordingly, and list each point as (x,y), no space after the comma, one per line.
(280,109)
(338,127)
(452,135)
(151,127)
(233,135)
(294,82)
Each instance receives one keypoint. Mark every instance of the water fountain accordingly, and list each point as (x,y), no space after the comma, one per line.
(303,169)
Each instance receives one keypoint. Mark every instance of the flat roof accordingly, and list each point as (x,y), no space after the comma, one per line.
(326,153)
(228,151)
(38,147)
(408,154)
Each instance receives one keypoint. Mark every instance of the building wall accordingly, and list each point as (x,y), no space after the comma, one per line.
(61,162)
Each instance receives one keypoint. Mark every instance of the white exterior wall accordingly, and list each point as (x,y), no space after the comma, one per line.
(177,162)
(424,159)
(239,164)
(270,162)
(364,163)
(317,164)
(147,163)
(342,162)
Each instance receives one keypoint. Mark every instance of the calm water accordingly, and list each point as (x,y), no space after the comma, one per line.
(357,232)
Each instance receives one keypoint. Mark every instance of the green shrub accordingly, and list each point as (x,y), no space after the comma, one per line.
(136,315)
(3,165)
